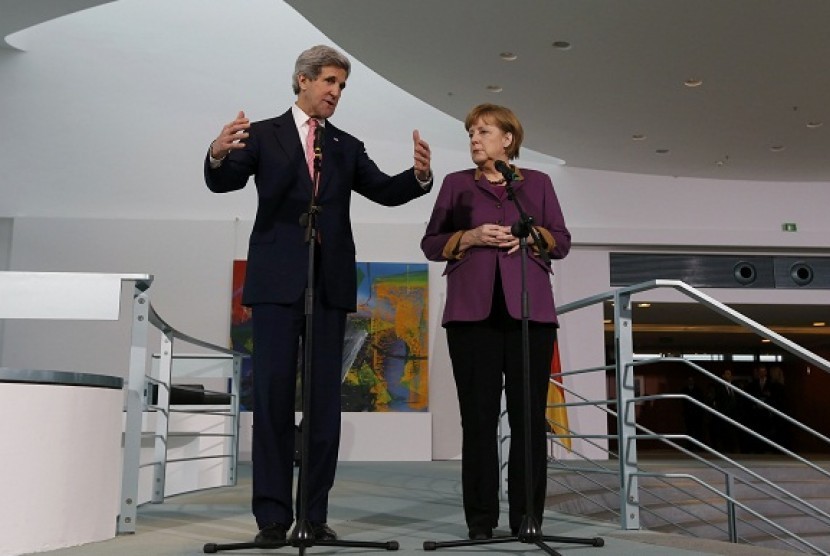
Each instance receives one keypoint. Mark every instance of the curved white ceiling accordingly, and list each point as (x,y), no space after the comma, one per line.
(764,64)
(761,112)
(20,14)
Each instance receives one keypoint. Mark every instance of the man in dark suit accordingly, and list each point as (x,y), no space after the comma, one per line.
(760,418)
(276,152)
(725,436)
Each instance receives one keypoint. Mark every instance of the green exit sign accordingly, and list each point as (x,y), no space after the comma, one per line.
(789,227)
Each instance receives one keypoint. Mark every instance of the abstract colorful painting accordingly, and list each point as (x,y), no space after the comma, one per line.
(385,365)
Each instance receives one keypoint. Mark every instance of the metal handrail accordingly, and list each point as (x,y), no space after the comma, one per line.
(168,330)
(630,469)
(144,317)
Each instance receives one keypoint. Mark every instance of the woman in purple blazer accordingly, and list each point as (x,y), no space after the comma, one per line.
(470,229)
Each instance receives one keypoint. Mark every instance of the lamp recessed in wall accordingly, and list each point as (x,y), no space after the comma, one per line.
(638,137)
(777,148)
(662,151)
(692,83)
(562,45)
(508,56)
(494,88)
(814,124)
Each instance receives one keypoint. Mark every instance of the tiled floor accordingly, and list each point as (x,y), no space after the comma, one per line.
(409,502)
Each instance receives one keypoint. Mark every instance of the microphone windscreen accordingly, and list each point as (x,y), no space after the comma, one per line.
(505,170)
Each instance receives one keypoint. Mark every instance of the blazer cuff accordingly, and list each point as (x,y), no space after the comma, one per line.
(547,236)
(451,249)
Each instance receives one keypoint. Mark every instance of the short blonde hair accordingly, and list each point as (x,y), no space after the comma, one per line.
(501,117)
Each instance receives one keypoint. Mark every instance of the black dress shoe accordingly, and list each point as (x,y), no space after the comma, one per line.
(480,533)
(271,533)
(323,532)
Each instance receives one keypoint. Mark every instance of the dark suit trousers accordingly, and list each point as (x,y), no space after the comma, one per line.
(482,353)
(277,331)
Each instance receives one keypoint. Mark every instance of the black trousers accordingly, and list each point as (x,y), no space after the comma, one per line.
(485,355)
(277,332)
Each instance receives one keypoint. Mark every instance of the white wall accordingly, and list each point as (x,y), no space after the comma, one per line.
(191,261)
(611,208)
(6,225)
(192,281)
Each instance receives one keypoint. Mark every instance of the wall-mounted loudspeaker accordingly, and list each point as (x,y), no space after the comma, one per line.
(721,271)
(700,271)
(804,272)
(745,273)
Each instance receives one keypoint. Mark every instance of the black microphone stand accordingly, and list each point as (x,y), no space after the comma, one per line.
(302,536)
(530,532)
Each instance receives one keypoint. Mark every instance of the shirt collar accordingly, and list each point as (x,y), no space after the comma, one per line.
(301,118)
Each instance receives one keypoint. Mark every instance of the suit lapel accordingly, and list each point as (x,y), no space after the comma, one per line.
(332,154)
(289,141)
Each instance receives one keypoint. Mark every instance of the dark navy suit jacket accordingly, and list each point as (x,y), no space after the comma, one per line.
(278,254)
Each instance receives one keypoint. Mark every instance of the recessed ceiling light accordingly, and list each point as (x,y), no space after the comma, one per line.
(644,305)
(638,137)
(813,125)
(692,83)
(508,56)
(765,340)
(662,151)
(562,45)
(819,323)
(494,88)
(777,148)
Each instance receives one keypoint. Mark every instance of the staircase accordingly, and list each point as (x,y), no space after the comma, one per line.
(686,486)
(679,503)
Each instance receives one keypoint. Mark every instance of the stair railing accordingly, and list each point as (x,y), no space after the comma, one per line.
(139,401)
(739,478)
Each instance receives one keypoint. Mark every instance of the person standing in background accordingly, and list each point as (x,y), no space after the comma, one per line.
(759,417)
(694,416)
(725,436)
(779,430)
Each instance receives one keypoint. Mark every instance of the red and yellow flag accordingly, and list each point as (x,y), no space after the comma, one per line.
(557,416)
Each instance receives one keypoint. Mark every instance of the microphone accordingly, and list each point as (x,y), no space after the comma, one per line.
(318,146)
(505,170)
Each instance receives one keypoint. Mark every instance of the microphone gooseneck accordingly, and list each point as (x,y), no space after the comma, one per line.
(505,170)
(318,144)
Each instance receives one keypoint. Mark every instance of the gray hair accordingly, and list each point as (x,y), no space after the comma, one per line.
(313,60)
